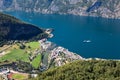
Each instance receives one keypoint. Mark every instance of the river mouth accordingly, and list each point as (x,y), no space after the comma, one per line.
(86,36)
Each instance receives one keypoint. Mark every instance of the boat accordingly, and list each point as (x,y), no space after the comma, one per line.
(87,41)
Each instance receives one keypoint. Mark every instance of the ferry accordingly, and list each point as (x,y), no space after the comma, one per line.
(87,41)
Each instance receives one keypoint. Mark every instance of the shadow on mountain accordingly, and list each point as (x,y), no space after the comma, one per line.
(13,29)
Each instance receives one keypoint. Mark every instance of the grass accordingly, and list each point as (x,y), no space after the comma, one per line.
(36,61)
(15,53)
(19,76)
(33,45)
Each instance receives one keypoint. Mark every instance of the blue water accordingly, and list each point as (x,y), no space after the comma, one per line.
(71,31)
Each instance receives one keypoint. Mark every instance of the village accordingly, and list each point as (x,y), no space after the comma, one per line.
(56,54)
(32,57)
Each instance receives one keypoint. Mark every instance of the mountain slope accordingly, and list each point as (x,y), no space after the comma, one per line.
(101,8)
(26,51)
(14,29)
(84,70)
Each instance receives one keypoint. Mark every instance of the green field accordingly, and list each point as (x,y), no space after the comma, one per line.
(33,45)
(36,61)
(19,76)
(14,53)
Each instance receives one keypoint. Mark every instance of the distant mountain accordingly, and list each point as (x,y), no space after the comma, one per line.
(13,29)
(99,8)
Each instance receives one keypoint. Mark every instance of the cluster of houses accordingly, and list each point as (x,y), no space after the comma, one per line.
(57,54)
(5,74)
(62,56)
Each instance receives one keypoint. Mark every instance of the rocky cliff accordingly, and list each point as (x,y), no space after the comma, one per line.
(99,8)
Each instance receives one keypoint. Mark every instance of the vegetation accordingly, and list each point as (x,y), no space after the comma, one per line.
(15,53)
(33,45)
(84,70)
(23,56)
(19,76)
(13,29)
(36,62)
(22,66)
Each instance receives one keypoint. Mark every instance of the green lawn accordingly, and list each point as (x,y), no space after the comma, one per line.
(19,77)
(33,45)
(36,62)
(15,53)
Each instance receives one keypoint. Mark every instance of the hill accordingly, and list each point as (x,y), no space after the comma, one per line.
(21,51)
(99,8)
(13,29)
(84,70)
(34,55)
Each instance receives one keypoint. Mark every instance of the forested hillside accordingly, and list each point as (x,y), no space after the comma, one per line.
(14,29)
(84,70)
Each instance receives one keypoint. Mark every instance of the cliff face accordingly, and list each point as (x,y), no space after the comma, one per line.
(100,8)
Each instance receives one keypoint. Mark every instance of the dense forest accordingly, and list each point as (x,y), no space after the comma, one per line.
(84,70)
(13,29)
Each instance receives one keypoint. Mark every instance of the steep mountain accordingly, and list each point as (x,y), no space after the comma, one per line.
(84,70)
(99,8)
(14,29)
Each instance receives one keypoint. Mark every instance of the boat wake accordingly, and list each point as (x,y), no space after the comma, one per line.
(87,41)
